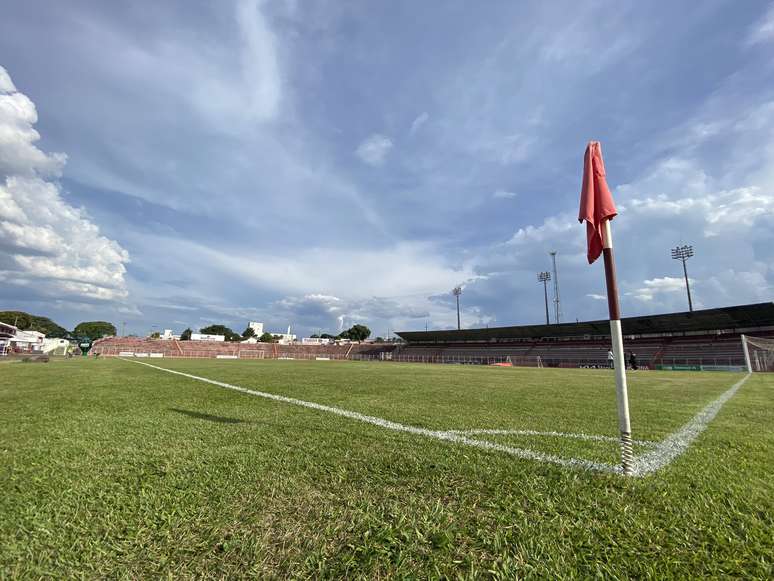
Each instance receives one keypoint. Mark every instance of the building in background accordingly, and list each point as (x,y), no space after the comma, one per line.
(203,337)
(285,338)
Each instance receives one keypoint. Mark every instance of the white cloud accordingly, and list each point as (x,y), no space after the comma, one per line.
(45,243)
(374,149)
(6,84)
(505,195)
(226,95)
(553,229)
(417,124)
(655,286)
(18,153)
(763,31)
(326,312)
(715,211)
(596,297)
(260,67)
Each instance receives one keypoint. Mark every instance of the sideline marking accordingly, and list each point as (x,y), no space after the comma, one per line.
(395,426)
(588,437)
(678,442)
(664,453)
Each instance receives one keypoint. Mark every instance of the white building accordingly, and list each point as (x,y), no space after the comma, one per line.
(257,327)
(28,340)
(56,346)
(203,337)
(12,339)
(167,335)
(285,338)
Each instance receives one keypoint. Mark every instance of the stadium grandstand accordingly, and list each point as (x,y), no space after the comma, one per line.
(137,347)
(705,339)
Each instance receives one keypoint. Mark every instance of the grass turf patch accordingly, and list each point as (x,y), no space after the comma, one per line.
(113,469)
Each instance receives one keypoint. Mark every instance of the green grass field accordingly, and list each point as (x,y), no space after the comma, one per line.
(112,469)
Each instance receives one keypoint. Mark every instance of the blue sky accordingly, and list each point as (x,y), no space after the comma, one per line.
(324,163)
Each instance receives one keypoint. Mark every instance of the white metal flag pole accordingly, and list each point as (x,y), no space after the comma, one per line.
(622,396)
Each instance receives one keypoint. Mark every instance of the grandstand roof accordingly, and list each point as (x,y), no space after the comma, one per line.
(7,330)
(726,318)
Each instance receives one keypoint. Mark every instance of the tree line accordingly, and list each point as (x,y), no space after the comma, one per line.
(354,333)
(97,329)
(26,322)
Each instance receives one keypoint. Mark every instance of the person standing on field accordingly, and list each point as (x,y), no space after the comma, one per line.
(633,361)
(610,359)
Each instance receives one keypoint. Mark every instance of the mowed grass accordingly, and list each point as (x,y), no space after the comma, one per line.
(112,469)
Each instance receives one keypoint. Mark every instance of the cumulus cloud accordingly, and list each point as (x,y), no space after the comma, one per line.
(725,210)
(374,149)
(327,312)
(553,228)
(46,244)
(655,286)
(18,153)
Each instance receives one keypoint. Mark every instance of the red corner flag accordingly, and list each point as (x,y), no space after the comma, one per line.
(596,203)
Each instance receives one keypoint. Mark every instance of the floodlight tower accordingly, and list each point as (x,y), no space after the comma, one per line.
(684,253)
(457,291)
(557,308)
(544,277)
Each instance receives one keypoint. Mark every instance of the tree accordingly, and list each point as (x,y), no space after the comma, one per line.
(356,333)
(227,333)
(186,335)
(327,336)
(249,332)
(266,338)
(27,322)
(155,335)
(94,329)
(379,340)
(216,330)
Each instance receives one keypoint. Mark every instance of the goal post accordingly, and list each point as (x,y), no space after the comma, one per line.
(758,353)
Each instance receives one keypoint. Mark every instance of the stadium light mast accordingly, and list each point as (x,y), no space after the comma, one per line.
(684,253)
(557,308)
(457,291)
(544,277)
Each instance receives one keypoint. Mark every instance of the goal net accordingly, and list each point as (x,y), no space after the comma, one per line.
(758,353)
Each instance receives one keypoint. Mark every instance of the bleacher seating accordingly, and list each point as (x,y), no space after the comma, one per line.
(113,346)
(710,338)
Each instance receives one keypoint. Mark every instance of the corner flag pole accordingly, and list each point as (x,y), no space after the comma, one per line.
(622,396)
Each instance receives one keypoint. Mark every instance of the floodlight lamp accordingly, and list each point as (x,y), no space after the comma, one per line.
(682,252)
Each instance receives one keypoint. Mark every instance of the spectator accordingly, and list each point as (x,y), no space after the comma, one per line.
(633,361)
(610,359)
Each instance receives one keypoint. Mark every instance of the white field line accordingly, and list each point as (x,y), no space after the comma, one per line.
(677,443)
(587,437)
(664,453)
(395,426)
